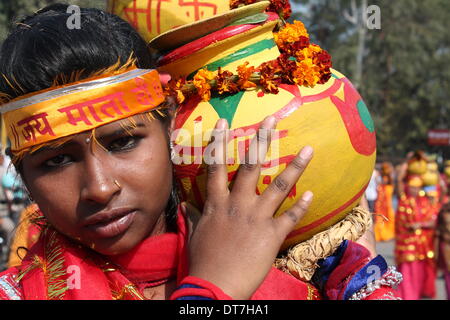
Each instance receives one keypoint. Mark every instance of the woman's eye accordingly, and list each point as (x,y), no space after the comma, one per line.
(123,144)
(58,161)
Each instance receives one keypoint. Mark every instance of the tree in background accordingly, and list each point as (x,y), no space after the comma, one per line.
(405,79)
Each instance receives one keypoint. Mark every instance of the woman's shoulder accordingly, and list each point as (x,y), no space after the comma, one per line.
(10,288)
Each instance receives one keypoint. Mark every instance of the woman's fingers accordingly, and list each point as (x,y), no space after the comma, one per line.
(280,187)
(192,214)
(249,171)
(289,219)
(215,159)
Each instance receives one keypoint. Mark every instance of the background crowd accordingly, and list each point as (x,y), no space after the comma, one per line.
(411,206)
(13,200)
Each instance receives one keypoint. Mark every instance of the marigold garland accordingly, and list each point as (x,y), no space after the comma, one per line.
(300,62)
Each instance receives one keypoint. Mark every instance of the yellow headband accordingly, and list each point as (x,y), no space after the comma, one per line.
(50,115)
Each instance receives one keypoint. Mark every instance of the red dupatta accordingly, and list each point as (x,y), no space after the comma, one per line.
(58,268)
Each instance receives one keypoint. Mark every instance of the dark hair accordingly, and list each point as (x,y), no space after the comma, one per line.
(42,48)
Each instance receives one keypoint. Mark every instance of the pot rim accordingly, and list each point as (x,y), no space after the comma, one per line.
(182,35)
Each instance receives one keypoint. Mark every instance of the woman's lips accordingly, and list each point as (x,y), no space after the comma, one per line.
(113,227)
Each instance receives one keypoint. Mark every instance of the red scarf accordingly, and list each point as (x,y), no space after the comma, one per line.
(58,268)
(55,263)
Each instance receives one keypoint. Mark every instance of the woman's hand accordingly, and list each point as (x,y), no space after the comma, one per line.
(237,238)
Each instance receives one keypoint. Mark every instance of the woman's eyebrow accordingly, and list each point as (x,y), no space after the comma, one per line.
(126,128)
(53,147)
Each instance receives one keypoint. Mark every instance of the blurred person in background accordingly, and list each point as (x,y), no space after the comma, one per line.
(371,191)
(414,247)
(16,193)
(384,211)
(434,185)
(6,223)
(415,163)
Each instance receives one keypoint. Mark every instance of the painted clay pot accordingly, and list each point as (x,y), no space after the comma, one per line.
(151,18)
(417,167)
(431,177)
(332,118)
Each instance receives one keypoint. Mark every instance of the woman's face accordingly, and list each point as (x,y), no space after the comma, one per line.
(108,197)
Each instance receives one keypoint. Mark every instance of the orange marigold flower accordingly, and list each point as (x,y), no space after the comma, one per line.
(269,80)
(244,74)
(289,66)
(225,82)
(282,7)
(307,73)
(291,33)
(292,49)
(174,88)
(323,59)
(202,82)
(325,76)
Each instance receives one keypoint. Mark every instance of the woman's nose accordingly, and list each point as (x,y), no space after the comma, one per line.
(99,183)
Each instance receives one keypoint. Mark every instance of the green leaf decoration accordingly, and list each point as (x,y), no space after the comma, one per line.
(254,19)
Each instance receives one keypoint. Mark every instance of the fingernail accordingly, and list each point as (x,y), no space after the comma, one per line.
(307,196)
(306,152)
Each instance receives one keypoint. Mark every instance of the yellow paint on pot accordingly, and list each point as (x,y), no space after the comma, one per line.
(151,18)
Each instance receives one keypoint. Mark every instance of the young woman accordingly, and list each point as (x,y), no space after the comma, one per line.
(414,246)
(89,132)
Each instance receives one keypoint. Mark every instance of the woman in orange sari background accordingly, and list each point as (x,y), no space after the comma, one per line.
(384,213)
